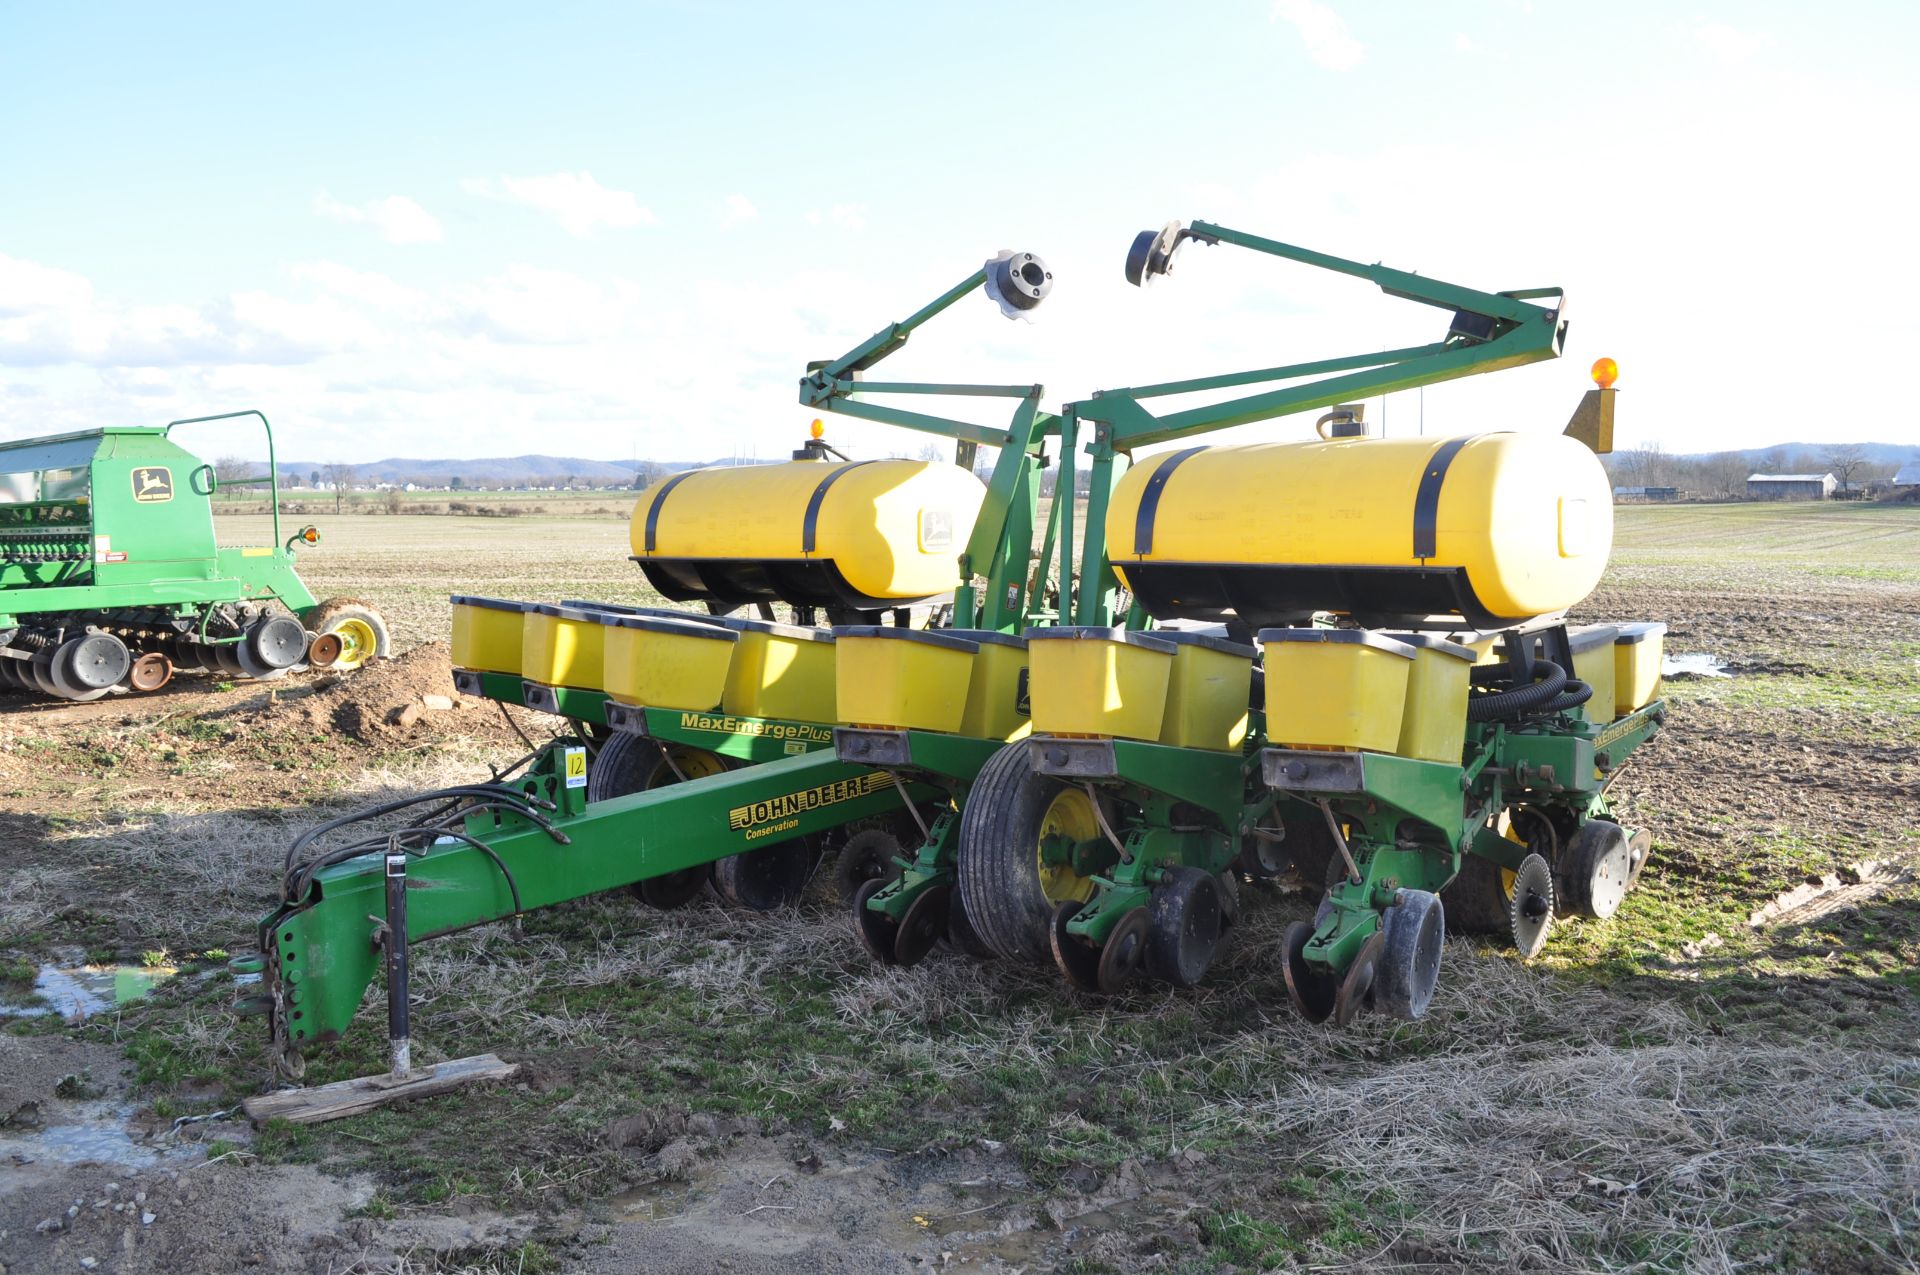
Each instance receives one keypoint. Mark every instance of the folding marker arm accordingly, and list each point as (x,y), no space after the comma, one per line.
(1490,331)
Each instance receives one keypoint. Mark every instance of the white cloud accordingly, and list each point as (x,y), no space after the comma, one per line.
(1730,44)
(368,286)
(1463,43)
(736,210)
(575,200)
(1325,35)
(397,218)
(846,216)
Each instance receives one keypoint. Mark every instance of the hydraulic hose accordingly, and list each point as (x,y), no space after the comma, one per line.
(1550,680)
(1572,695)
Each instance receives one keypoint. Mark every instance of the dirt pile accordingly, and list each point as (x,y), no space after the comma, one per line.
(382,702)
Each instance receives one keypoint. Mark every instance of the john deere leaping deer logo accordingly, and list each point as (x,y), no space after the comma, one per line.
(152,484)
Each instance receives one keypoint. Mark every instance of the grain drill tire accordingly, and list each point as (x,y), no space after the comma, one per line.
(353,618)
(1007,901)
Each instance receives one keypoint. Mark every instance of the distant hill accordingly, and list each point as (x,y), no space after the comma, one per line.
(492,471)
(1872,453)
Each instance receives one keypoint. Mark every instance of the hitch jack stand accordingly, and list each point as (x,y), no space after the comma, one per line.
(394,932)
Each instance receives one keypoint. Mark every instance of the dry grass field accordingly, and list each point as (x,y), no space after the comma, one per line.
(1723,1078)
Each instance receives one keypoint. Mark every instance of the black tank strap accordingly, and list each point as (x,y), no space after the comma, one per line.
(1150,500)
(659,499)
(812,521)
(1426,501)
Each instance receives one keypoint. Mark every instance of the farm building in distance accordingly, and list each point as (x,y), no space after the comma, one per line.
(1645,493)
(1790,486)
(1906,483)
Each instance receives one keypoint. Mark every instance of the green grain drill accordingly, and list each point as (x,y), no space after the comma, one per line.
(110,577)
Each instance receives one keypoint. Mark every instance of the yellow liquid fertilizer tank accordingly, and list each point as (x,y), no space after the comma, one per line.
(1492,527)
(863,535)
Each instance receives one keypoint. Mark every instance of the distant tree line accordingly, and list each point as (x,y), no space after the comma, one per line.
(1724,474)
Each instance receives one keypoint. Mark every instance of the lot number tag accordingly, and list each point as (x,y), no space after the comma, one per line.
(576,768)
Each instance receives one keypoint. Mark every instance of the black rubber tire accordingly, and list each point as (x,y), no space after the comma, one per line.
(1416,929)
(766,878)
(997,867)
(1183,931)
(325,616)
(276,643)
(960,935)
(1311,990)
(93,662)
(1598,854)
(629,764)
(625,764)
(867,856)
(1477,899)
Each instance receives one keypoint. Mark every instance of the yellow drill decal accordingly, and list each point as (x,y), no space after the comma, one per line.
(782,813)
(715,724)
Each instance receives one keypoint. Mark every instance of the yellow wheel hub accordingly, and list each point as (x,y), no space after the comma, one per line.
(358,643)
(1069,817)
(693,763)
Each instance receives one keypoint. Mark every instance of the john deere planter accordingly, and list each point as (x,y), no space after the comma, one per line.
(110,578)
(1344,658)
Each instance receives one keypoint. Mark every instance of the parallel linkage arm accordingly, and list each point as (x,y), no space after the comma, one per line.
(1490,331)
(997,548)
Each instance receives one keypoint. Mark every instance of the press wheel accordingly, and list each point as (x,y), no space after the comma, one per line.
(1598,869)
(631,763)
(1530,909)
(1311,989)
(150,672)
(1415,928)
(1184,926)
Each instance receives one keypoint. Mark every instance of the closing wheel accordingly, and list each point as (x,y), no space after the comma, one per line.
(1416,930)
(876,930)
(1356,989)
(1598,869)
(1311,989)
(766,878)
(1076,958)
(1183,929)
(1015,854)
(867,856)
(922,926)
(1125,952)
(362,630)
(1530,910)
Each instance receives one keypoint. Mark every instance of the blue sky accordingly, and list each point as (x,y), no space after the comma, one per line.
(610,230)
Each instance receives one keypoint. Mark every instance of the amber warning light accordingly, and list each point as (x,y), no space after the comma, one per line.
(1605,373)
(819,428)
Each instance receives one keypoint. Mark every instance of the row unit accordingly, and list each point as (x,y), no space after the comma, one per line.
(1402,693)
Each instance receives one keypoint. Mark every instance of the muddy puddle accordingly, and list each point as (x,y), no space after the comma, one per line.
(100,1132)
(75,989)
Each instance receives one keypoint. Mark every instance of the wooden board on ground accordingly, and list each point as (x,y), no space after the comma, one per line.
(366,1093)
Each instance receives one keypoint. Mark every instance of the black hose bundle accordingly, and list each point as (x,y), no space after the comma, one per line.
(1549,685)
(452,805)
